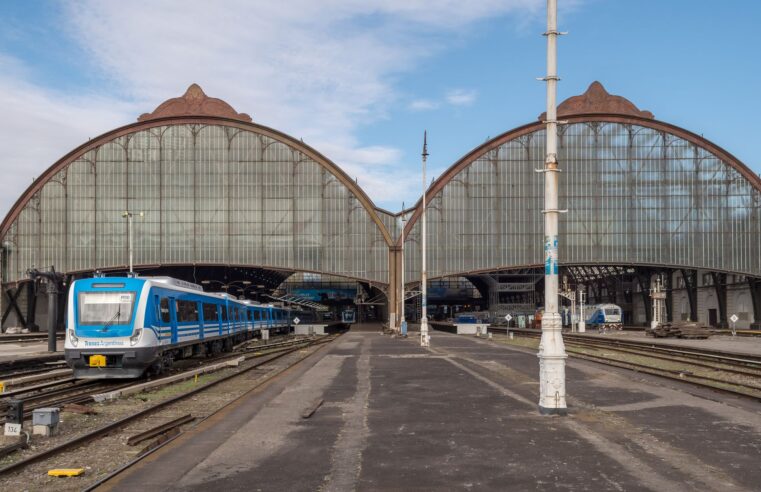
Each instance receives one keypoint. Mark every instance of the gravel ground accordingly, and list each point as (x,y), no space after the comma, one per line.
(102,456)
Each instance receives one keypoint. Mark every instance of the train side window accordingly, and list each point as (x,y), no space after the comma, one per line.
(224,313)
(164,309)
(257,316)
(187,311)
(210,312)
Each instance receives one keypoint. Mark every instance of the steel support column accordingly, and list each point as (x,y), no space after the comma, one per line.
(643,279)
(668,280)
(31,307)
(13,305)
(755,295)
(720,285)
(691,286)
(394,287)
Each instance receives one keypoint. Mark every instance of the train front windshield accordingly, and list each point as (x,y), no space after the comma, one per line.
(100,308)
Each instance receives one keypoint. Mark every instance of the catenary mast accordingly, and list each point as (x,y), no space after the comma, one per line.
(424,338)
(552,397)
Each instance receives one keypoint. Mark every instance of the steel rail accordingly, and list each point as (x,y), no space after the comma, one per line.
(37,387)
(672,374)
(27,338)
(125,420)
(679,359)
(678,375)
(160,429)
(131,463)
(700,353)
(27,362)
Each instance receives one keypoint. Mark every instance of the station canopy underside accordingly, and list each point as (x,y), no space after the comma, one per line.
(217,190)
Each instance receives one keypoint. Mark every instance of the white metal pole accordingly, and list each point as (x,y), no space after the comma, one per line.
(128,215)
(424,338)
(552,397)
(573,311)
(401,298)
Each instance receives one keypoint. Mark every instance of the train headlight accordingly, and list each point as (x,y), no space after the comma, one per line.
(73,337)
(135,336)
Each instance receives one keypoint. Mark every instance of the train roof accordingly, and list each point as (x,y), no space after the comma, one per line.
(174,283)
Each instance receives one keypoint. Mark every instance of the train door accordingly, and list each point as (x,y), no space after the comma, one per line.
(224,325)
(257,318)
(164,320)
(173,317)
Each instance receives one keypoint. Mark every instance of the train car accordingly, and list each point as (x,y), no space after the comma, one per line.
(604,317)
(121,327)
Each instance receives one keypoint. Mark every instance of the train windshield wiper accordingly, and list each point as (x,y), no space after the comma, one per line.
(113,318)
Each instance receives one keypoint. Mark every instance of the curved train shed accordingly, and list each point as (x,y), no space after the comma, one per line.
(223,196)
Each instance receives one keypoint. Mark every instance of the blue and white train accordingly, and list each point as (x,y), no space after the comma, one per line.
(603,317)
(119,327)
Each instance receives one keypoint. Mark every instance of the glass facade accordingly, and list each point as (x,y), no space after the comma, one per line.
(226,195)
(635,195)
(211,194)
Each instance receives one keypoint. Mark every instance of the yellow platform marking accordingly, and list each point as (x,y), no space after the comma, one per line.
(97,361)
(66,472)
(2,386)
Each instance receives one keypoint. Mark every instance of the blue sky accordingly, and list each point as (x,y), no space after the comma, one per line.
(360,81)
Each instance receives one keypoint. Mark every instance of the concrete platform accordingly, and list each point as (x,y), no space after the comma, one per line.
(460,416)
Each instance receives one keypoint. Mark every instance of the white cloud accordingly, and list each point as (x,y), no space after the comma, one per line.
(423,105)
(315,70)
(40,126)
(461,97)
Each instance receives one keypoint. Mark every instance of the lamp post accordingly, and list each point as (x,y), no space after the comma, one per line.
(582,316)
(552,398)
(128,215)
(402,320)
(425,340)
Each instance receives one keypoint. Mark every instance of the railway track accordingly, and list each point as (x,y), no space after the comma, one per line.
(715,369)
(263,355)
(66,390)
(29,365)
(31,337)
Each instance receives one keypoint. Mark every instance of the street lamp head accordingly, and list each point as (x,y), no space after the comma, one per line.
(126,214)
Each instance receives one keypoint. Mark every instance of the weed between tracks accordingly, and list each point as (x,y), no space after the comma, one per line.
(180,387)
